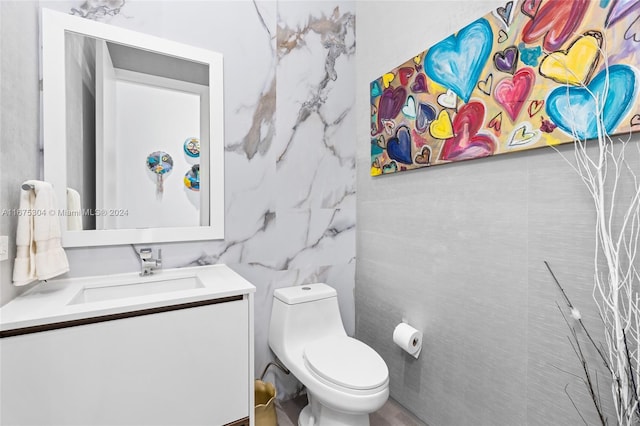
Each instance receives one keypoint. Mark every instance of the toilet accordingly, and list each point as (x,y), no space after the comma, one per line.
(345,379)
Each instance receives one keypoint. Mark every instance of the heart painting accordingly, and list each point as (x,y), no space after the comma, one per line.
(528,74)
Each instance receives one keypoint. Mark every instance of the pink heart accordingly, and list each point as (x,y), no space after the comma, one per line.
(405,73)
(467,143)
(512,93)
(556,21)
(530,7)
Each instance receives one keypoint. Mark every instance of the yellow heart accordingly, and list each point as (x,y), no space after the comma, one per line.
(441,127)
(434,87)
(417,59)
(576,64)
(551,140)
(376,171)
(387,79)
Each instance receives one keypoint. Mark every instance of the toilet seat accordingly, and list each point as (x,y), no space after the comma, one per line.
(346,362)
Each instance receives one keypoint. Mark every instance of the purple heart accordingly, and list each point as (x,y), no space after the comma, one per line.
(391,102)
(507,60)
(399,147)
(619,9)
(420,84)
(426,114)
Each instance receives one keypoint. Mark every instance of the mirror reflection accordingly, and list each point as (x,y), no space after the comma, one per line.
(137,145)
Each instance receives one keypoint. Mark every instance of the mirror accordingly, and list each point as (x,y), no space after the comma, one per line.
(133,134)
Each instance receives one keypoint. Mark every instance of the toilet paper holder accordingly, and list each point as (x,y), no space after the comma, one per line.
(408,338)
(415,341)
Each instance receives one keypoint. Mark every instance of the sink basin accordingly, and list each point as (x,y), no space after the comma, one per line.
(134,289)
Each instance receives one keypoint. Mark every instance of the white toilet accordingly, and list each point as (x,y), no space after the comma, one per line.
(345,379)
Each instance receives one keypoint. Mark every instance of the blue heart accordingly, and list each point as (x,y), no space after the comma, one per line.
(457,61)
(426,114)
(375,89)
(573,108)
(529,55)
(399,147)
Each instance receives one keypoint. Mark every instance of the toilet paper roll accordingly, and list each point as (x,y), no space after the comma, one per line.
(408,338)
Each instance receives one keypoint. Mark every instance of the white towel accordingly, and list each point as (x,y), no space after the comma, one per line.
(74,218)
(39,253)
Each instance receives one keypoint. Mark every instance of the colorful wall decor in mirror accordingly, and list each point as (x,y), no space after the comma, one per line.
(521,77)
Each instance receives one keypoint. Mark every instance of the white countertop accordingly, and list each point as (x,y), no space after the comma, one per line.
(53,301)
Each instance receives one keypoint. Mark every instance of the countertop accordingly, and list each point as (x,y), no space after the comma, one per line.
(56,301)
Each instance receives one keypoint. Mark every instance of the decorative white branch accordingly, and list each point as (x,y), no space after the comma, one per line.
(603,168)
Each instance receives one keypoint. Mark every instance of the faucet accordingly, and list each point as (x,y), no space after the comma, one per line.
(148,263)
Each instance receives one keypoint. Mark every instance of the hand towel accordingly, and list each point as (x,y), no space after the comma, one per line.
(24,267)
(74,218)
(39,253)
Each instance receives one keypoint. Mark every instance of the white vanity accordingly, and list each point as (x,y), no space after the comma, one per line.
(174,348)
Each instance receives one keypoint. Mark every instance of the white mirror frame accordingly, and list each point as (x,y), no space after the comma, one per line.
(54,25)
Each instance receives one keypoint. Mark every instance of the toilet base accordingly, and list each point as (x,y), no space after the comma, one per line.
(315,414)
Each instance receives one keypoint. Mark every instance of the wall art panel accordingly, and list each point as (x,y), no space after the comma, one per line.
(525,75)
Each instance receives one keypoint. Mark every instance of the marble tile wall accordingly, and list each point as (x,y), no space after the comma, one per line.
(289,142)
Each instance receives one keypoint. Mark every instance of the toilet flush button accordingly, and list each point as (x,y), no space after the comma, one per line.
(306,288)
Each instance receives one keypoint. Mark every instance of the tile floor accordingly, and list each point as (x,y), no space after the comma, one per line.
(391,414)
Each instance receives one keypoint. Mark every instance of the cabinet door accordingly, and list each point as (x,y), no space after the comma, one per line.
(182,367)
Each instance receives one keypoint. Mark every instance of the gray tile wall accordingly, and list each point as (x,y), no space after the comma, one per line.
(458,250)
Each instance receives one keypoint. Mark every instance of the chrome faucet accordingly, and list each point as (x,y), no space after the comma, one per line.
(148,263)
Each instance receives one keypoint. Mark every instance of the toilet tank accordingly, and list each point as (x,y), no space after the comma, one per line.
(303,313)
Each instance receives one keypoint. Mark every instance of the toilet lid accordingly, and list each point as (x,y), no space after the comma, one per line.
(346,362)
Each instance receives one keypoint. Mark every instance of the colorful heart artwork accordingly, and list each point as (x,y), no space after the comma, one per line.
(513,93)
(467,143)
(619,9)
(375,89)
(409,109)
(399,147)
(496,123)
(457,61)
(420,84)
(506,60)
(426,114)
(555,22)
(535,107)
(576,64)
(405,74)
(521,77)
(529,55)
(574,109)
(530,7)
(523,135)
(442,128)
(486,85)
(448,100)
(391,103)
(633,32)
(504,13)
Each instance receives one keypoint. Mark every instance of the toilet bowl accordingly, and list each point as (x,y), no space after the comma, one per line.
(345,379)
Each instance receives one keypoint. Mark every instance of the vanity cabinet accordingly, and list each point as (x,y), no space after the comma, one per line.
(184,364)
